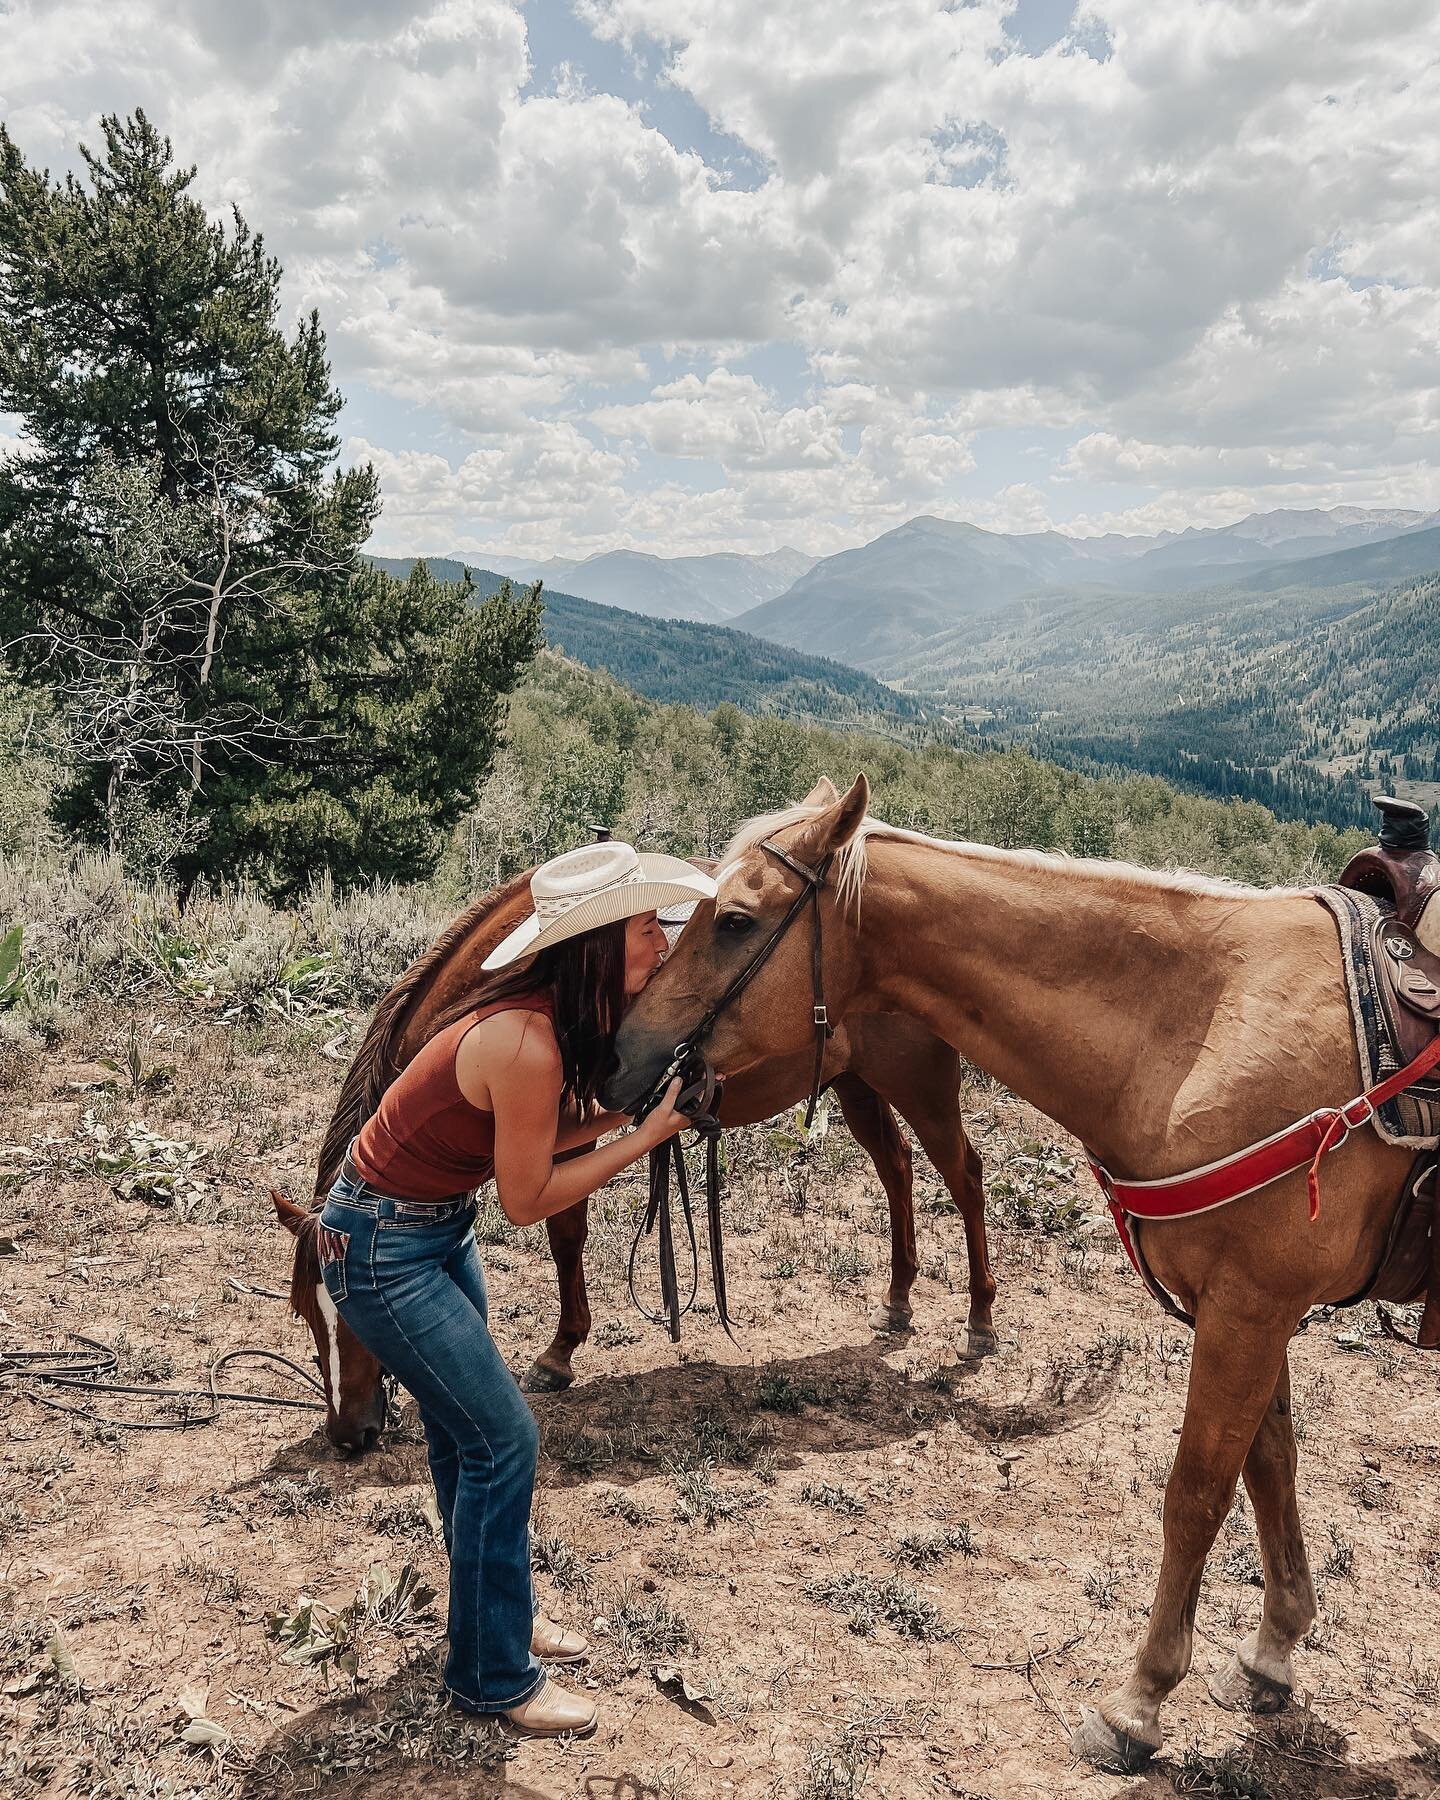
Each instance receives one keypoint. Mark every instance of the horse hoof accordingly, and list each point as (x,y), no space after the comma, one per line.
(1239,1689)
(980,1341)
(890,1318)
(540,1378)
(1099,1744)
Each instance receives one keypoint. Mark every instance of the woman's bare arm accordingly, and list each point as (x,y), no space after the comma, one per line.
(589,1130)
(525,1096)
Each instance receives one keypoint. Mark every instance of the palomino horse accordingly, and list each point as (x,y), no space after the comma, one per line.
(1164,1019)
(873,1063)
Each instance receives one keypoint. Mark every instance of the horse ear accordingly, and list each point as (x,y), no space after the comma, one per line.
(291,1216)
(824,793)
(835,827)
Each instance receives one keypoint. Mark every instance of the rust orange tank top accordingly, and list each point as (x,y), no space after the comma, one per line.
(426,1141)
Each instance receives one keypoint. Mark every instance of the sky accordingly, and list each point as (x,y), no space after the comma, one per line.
(695,275)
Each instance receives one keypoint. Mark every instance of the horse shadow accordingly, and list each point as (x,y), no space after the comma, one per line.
(397,1460)
(622,1427)
(841,1400)
(1297,1755)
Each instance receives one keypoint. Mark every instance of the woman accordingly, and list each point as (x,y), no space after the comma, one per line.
(504,1088)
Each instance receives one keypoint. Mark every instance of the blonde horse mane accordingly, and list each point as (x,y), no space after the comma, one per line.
(373,1069)
(851,862)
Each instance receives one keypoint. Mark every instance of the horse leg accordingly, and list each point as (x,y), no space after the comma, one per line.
(935,1120)
(1261,1677)
(872,1124)
(567,1231)
(1233,1375)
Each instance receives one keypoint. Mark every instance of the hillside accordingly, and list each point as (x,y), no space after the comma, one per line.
(712,588)
(886,597)
(1305,698)
(580,747)
(1415,553)
(674,660)
(1263,540)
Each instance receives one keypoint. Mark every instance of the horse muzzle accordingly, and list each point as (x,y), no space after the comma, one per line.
(699,1088)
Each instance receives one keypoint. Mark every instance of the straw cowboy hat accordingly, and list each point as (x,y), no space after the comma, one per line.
(674,919)
(597,884)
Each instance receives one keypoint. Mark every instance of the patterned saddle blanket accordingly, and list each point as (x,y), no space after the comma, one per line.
(1384,1020)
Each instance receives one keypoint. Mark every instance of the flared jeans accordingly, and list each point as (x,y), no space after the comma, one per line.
(408,1281)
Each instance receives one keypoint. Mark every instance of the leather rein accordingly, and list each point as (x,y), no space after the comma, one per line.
(698,1097)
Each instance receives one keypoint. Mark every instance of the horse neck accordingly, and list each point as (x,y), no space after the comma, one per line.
(1107,1002)
(305,1269)
(405,1017)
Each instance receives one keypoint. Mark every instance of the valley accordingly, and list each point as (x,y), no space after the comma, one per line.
(1290,658)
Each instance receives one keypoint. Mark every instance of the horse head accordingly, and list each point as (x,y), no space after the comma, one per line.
(353,1378)
(772,1015)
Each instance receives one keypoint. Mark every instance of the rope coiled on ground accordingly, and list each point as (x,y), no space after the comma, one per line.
(33,1370)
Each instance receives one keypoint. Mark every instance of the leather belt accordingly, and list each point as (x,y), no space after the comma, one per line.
(350,1173)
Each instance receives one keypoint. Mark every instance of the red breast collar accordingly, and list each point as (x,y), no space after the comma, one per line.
(1233,1177)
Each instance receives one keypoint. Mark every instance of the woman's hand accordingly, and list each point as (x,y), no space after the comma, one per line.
(663,1122)
(534,1176)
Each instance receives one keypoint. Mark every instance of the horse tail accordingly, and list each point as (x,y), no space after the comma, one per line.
(374,1066)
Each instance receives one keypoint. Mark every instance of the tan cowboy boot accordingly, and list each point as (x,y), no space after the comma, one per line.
(551,1712)
(556,1643)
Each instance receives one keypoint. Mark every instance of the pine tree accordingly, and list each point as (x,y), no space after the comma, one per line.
(401,684)
(281,707)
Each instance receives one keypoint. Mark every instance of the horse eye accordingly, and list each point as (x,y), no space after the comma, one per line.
(735,923)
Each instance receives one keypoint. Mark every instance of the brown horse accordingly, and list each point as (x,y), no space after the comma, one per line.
(1165,1020)
(873,1063)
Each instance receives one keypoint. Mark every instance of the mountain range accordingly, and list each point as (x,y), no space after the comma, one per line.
(875,605)
(1291,657)
(709,588)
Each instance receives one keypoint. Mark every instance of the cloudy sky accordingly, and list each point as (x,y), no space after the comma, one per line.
(729,274)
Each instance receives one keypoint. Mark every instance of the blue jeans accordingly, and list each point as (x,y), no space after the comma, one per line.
(408,1282)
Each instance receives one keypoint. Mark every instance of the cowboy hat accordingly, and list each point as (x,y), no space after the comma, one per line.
(674,919)
(597,884)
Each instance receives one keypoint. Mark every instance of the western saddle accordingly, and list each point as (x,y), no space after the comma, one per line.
(1403,872)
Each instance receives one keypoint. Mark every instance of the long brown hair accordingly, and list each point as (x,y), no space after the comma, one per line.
(584,980)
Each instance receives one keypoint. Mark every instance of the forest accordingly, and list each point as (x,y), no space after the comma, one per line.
(1305,700)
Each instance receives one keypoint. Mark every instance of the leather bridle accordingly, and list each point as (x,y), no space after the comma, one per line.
(696,1099)
(687,1061)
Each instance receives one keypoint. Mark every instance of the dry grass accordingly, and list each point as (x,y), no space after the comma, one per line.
(854,1545)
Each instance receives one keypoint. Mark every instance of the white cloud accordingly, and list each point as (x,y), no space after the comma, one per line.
(1019,507)
(796,465)
(527,491)
(1211,255)
(13,447)
(1138,254)
(730,418)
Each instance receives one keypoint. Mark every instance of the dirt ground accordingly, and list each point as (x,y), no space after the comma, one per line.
(816,1563)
